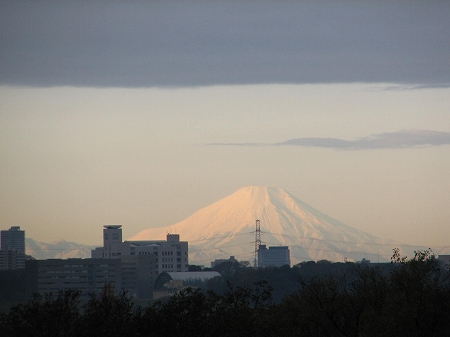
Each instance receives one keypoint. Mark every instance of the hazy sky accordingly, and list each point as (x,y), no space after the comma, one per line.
(141,113)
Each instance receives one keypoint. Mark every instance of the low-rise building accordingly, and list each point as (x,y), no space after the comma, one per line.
(136,274)
(275,256)
(129,265)
(171,254)
(86,275)
(216,262)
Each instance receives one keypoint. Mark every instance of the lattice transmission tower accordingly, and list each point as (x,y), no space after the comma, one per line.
(257,242)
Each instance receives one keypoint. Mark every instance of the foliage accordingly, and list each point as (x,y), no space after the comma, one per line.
(51,315)
(421,287)
(410,299)
(193,267)
(196,313)
(108,314)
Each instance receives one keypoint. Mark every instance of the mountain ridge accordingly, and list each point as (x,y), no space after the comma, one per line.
(225,227)
(58,249)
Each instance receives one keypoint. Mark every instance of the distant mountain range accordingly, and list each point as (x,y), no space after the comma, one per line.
(227,227)
(57,250)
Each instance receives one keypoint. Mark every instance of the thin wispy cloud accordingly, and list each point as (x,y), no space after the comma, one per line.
(402,87)
(157,43)
(388,140)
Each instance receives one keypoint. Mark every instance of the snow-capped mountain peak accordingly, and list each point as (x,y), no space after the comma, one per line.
(227,227)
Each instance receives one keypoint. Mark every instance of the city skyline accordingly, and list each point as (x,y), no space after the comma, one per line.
(141,114)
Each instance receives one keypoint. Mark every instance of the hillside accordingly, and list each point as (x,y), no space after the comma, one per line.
(60,249)
(227,227)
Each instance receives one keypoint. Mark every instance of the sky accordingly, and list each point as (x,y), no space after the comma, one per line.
(140,113)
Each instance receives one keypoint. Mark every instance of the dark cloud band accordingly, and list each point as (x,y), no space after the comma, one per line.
(177,43)
(388,140)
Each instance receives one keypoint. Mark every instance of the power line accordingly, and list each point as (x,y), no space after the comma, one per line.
(221,237)
(206,249)
(257,242)
(335,251)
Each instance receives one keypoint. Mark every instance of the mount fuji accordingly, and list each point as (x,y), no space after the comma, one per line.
(227,227)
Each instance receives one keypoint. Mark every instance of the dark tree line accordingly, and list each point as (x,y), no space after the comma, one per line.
(413,299)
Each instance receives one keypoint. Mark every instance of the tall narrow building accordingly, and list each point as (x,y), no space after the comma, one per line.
(12,249)
(12,239)
(112,236)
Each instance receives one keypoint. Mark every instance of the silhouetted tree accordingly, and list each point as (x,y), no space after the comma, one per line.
(108,314)
(410,299)
(51,315)
(419,296)
(193,267)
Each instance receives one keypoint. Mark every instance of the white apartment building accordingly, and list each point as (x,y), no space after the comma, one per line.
(171,255)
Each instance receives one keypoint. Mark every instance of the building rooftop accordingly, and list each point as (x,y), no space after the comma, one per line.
(112,226)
